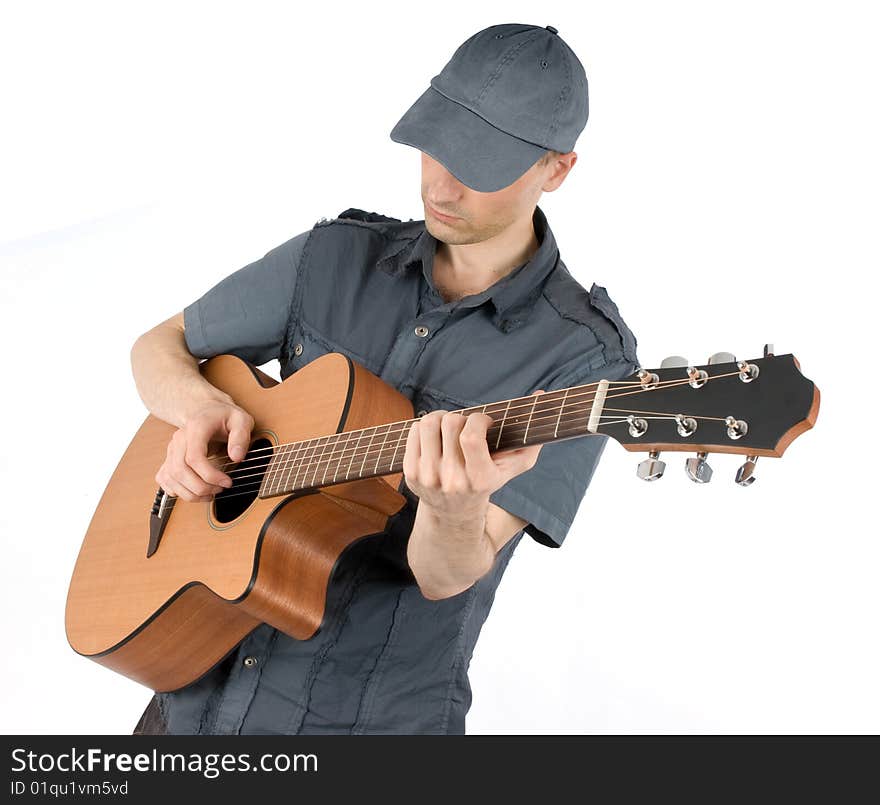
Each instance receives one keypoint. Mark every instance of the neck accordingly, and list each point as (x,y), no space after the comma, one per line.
(379,450)
(469,268)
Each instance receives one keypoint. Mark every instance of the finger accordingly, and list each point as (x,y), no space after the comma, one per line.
(196,457)
(183,474)
(165,484)
(511,463)
(430,447)
(173,487)
(239,426)
(474,447)
(412,453)
(168,487)
(187,477)
(451,427)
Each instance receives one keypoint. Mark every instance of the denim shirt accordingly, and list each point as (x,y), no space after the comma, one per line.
(386,659)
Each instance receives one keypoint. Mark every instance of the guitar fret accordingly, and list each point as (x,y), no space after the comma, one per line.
(382,448)
(297,464)
(290,464)
(559,418)
(353,453)
(403,430)
(277,466)
(501,428)
(341,454)
(319,457)
(529,423)
(367,452)
(304,463)
(346,475)
(313,461)
(335,440)
(273,468)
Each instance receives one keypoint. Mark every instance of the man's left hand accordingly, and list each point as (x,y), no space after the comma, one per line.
(447,463)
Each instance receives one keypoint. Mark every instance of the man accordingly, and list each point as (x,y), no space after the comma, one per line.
(471,305)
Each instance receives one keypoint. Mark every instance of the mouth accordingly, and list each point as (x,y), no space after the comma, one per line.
(439,215)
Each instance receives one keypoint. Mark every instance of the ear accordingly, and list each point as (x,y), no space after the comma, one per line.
(561,166)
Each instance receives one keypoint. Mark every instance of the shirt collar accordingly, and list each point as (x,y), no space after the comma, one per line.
(512,297)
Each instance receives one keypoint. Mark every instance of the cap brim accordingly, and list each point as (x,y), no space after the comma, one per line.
(475,152)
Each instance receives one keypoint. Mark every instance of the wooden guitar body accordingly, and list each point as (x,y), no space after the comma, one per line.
(166,619)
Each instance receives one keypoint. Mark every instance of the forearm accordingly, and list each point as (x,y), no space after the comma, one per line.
(167,376)
(448,556)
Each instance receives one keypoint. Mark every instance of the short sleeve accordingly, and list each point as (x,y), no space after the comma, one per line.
(549,495)
(246,314)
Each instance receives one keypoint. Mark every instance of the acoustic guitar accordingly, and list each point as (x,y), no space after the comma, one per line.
(163,589)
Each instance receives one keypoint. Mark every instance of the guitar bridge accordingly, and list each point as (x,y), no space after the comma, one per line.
(159,513)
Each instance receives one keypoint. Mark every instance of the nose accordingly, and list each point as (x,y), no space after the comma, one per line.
(443,191)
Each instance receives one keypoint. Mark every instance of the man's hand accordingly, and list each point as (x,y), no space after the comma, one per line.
(187,471)
(448,465)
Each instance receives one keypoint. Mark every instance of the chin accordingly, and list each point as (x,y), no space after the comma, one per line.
(448,233)
(438,230)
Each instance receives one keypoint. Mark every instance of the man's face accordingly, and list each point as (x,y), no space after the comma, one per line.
(477,216)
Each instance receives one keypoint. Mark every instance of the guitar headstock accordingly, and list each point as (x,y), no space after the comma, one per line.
(755,407)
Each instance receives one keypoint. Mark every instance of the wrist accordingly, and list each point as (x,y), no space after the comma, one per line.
(467,520)
(448,554)
(195,397)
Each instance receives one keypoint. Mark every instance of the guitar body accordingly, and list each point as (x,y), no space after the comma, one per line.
(166,619)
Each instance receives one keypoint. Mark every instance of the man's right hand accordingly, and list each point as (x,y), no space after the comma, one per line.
(187,471)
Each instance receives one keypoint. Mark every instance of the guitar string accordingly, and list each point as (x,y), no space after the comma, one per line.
(290,456)
(277,449)
(315,461)
(487,405)
(324,482)
(289,461)
(237,490)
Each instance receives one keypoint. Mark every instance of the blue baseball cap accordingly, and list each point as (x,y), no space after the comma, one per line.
(508,94)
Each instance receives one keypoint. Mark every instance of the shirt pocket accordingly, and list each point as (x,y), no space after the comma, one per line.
(304,344)
(427,399)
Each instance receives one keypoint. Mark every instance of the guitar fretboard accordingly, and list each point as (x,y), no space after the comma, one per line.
(379,450)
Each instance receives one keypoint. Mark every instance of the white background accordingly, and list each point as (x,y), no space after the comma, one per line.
(726,194)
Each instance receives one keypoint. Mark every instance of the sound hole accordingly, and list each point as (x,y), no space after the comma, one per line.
(246,479)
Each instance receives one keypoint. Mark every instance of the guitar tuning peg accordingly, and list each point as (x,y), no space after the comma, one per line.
(652,467)
(673,361)
(768,350)
(745,475)
(722,357)
(698,469)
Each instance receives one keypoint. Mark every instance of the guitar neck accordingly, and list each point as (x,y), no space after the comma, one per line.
(352,455)
(755,408)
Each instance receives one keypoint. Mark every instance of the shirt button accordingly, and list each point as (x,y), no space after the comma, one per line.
(250,662)
(422,412)
(421,331)
(298,349)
